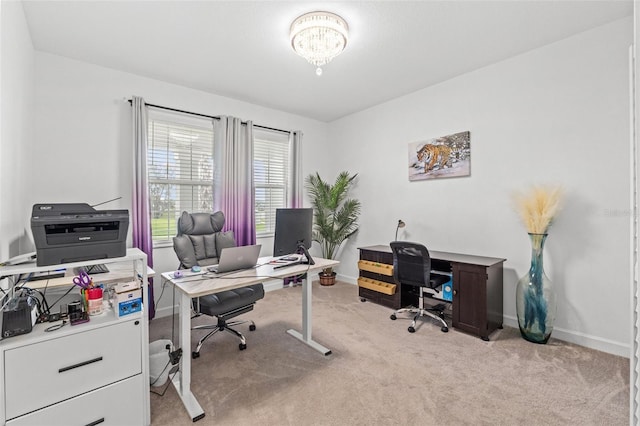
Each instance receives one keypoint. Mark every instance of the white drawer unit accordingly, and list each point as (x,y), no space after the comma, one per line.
(94,373)
(70,366)
(112,405)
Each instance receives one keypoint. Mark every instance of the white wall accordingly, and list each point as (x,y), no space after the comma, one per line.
(16,127)
(83,134)
(556,115)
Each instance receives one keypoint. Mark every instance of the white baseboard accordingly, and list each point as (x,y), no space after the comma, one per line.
(582,339)
(346,279)
(272,285)
(165,312)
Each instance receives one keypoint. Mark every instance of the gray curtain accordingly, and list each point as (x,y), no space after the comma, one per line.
(141,214)
(296,180)
(233,177)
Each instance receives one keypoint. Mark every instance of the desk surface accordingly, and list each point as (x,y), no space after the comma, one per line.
(200,284)
(446,256)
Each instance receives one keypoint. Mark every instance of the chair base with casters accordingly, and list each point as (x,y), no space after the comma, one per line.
(224,306)
(412,267)
(421,311)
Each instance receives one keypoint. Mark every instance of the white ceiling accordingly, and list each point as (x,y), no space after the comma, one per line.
(240,49)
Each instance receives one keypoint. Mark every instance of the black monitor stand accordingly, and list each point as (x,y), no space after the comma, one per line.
(303,251)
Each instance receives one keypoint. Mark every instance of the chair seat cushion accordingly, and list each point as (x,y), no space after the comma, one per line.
(436,280)
(226,301)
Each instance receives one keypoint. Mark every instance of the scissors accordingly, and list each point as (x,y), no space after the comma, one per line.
(82,280)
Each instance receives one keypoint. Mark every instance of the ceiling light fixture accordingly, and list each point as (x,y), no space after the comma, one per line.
(319,37)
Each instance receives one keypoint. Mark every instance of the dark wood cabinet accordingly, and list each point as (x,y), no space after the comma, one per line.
(376,278)
(477,286)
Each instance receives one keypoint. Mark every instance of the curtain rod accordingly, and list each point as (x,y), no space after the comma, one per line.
(208,116)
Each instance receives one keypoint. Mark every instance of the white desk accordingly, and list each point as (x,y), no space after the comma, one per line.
(120,269)
(195,285)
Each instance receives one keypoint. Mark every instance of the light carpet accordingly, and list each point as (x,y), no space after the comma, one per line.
(380,374)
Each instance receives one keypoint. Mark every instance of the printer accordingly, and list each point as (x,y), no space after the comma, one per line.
(65,233)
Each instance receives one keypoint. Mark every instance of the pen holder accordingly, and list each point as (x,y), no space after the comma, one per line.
(94,296)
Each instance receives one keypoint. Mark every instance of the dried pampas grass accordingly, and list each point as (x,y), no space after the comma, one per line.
(538,207)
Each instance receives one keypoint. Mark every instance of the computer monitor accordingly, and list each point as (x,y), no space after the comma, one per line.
(293,232)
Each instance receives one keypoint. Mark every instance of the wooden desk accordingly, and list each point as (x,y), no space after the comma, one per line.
(197,284)
(477,287)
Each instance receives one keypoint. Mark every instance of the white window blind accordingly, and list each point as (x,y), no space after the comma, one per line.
(180,163)
(271,176)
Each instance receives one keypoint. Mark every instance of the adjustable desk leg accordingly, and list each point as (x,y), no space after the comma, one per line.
(305,336)
(182,380)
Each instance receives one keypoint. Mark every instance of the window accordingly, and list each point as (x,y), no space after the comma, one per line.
(180,163)
(271,176)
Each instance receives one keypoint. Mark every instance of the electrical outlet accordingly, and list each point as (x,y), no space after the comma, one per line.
(175,356)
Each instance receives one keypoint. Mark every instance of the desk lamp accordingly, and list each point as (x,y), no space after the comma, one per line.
(400,225)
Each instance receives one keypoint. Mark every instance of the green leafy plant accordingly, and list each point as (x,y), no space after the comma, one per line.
(335,216)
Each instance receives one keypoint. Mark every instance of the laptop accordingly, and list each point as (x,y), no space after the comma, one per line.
(237,258)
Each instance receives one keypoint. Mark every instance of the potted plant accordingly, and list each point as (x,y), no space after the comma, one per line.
(335,216)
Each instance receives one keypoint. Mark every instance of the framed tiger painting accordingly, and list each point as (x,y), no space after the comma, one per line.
(443,157)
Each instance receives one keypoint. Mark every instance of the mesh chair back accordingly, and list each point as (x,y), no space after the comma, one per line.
(411,263)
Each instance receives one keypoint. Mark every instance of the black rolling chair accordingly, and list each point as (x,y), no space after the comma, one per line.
(199,242)
(412,266)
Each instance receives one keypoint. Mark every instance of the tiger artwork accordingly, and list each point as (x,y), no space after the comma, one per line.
(433,155)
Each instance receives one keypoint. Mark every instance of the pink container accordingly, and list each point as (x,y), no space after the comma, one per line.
(95,301)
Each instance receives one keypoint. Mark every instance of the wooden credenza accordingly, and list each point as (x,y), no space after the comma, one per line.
(477,286)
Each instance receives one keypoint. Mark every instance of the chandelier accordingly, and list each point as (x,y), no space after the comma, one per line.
(319,37)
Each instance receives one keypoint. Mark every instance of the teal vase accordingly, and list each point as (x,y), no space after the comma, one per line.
(536,297)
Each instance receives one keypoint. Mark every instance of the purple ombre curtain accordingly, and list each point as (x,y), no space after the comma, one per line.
(294,187)
(294,197)
(141,215)
(233,178)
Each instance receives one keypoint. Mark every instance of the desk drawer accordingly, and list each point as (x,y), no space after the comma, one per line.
(115,405)
(70,366)
(376,267)
(375,285)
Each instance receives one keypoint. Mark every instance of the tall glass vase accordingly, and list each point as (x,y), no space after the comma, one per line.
(536,297)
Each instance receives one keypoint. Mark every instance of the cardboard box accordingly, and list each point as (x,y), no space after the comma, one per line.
(125,287)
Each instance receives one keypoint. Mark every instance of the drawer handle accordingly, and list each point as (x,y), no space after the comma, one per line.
(71,367)
(97,422)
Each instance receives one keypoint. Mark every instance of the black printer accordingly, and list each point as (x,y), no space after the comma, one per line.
(65,233)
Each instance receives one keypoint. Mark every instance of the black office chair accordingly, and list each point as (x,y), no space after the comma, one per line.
(412,266)
(199,242)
